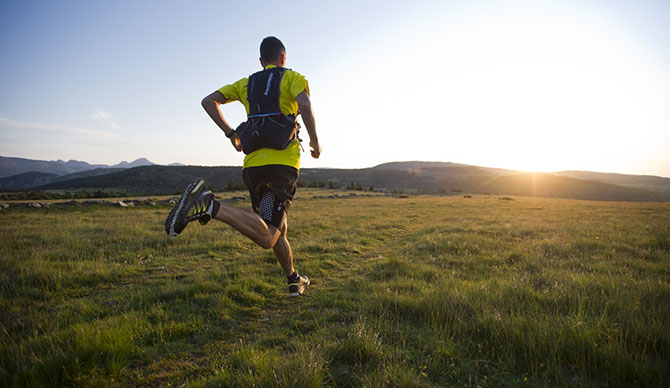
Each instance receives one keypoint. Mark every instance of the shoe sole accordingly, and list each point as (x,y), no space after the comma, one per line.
(172,217)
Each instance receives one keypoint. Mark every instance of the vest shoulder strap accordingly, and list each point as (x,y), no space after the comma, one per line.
(263,92)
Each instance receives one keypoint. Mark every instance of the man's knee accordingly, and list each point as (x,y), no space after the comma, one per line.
(270,239)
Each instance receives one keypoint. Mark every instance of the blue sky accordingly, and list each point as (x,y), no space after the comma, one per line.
(529,85)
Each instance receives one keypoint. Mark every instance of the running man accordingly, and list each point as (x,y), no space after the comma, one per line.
(270,174)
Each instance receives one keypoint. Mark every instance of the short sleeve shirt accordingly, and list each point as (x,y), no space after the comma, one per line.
(292,84)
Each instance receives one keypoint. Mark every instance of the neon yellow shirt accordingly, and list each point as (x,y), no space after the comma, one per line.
(292,84)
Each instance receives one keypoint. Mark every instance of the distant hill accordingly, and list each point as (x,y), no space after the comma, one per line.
(10,166)
(548,185)
(27,180)
(471,179)
(415,165)
(142,177)
(433,166)
(32,179)
(153,180)
(645,182)
(14,166)
(136,163)
(422,178)
(438,170)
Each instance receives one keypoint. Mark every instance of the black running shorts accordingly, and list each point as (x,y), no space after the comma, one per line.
(272,189)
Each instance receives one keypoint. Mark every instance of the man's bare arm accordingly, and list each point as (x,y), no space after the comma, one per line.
(305,106)
(211,105)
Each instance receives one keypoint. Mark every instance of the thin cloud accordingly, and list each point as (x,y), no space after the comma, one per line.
(107,118)
(6,123)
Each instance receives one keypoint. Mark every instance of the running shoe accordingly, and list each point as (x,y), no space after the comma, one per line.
(191,206)
(296,289)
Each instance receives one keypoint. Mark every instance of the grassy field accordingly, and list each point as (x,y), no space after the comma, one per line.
(407,292)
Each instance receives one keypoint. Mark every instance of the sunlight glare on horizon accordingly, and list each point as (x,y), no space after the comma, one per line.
(534,91)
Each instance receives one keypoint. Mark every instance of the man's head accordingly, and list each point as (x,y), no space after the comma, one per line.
(273,52)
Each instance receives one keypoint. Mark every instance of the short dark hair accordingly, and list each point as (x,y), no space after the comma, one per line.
(271,49)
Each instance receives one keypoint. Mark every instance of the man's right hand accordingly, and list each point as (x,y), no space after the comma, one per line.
(211,104)
(235,140)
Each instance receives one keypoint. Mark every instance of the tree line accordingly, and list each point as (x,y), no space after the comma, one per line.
(233,185)
(34,195)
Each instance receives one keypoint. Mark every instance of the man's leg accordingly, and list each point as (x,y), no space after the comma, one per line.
(249,224)
(268,228)
(267,236)
(283,252)
(197,202)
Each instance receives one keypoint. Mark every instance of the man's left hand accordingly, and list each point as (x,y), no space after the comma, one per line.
(316,149)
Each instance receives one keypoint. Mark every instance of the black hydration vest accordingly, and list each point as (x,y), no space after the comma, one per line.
(266,126)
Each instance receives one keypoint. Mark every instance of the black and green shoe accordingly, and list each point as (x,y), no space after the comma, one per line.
(297,288)
(192,206)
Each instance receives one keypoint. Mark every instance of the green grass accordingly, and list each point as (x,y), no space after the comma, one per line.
(406,292)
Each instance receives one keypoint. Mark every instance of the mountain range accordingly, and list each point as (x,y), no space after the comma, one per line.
(10,166)
(414,176)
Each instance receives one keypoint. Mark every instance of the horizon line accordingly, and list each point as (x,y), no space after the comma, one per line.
(340,168)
